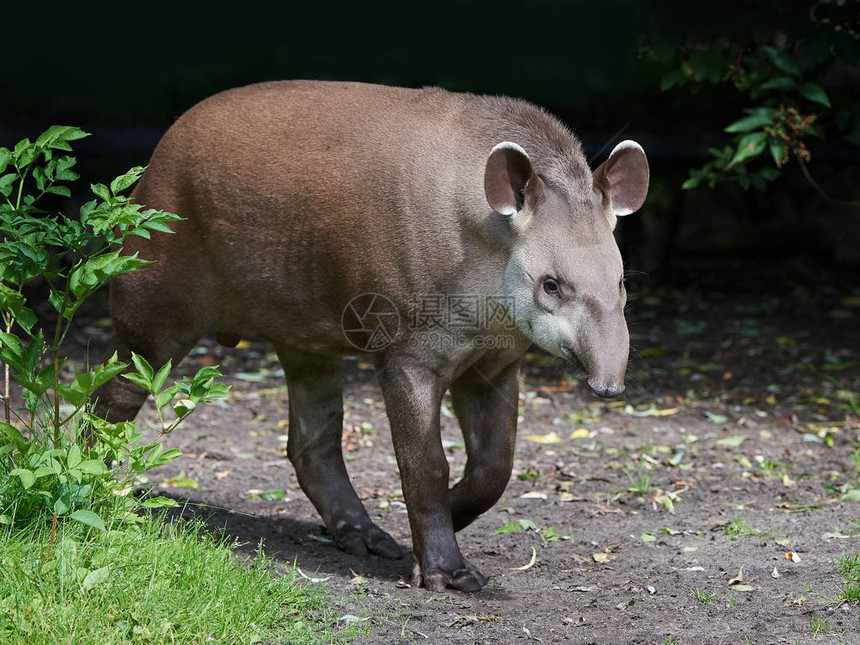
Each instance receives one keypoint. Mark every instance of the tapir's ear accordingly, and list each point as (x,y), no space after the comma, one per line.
(624,177)
(506,178)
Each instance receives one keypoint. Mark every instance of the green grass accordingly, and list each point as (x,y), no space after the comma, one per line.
(848,567)
(162,583)
(703,596)
(738,528)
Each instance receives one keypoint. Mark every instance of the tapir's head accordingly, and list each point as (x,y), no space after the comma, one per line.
(565,271)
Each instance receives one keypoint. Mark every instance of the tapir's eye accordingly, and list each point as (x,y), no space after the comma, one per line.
(550,285)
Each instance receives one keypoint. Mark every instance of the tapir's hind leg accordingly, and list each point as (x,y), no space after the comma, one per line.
(315,388)
(158,332)
(487,410)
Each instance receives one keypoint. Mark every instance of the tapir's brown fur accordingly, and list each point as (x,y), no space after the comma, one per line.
(300,196)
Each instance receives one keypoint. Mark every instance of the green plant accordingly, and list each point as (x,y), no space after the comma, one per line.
(703,596)
(58,460)
(738,528)
(779,74)
(848,566)
(640,480)
(161,582)
(818,626)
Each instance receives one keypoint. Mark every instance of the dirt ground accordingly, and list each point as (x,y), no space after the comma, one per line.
(706,506)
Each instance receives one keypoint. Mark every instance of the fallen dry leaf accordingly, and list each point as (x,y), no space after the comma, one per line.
(529,565)
(792,556)
(550,437)
(307,577)
(580,433)
(533,494)
(737,579)
(602,557)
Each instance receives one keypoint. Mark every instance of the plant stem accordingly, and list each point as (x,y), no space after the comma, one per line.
(7,408)
(51,541)
(839,202)
(55,353)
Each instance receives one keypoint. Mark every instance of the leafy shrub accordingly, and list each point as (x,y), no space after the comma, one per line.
(58,460)
(796,72)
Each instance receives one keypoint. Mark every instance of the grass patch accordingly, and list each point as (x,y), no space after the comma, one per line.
(159,583)
(703,596)
(848,567)
(738,528)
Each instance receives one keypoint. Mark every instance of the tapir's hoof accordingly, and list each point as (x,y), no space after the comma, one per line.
(371,540)
(468,579)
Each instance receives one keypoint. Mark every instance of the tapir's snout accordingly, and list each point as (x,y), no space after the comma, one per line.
(603,356)
(606,390)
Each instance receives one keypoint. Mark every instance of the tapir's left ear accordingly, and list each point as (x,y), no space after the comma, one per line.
(624,177)
(509,179)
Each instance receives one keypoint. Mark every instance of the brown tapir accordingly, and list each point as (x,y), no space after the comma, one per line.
(314,210)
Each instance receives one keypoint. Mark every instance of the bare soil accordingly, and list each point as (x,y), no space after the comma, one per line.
(706,506)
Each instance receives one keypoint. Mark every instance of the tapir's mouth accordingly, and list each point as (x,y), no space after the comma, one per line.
(572,363)
(575,367)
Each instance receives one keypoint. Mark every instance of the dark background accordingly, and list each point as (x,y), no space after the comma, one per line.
(124,73)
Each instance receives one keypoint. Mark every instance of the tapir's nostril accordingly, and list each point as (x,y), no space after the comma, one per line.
(606,391)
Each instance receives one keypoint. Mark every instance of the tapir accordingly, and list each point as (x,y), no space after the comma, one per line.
(314,210)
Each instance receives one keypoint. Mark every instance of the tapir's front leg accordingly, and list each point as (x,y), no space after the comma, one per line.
(413,396)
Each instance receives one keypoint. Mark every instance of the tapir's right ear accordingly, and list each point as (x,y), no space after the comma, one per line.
(506,177)
(624,177)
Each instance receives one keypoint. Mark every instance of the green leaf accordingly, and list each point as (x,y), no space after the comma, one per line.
(89,518)
(12,351)
(159,379)
(508,528)
(165,396)
(750,123)
(160,502)
(779,83)
(142,366)
(750,145)
(670,80)
(157,225)
(777,148)
(93,467)
(26,476)
(732,442)
(72,396)
(718,419)
(62,505)
(181,481)
(58,136)
(73,457)
(138,379)
(96,577)
(782,60)
(815,93)
(183,408)
(128,179)
(852,495)
(6,182)
(59,190)
(101,191)
(14,435)
(44,471)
